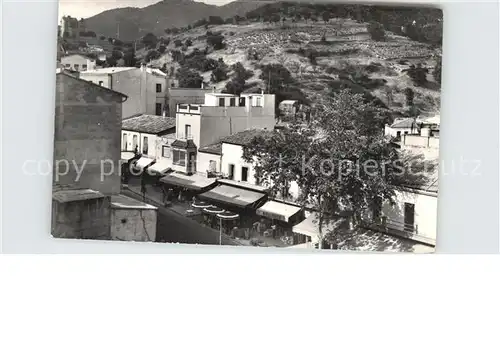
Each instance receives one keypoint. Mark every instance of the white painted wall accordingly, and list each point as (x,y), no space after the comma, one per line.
(425,211)
(77,63)
(203,162)
(232,154)
(138,84)
(194,120)
(394,131)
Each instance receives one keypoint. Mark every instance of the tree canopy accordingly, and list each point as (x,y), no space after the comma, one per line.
(341,160)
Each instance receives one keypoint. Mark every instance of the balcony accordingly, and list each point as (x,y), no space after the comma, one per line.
(185,136)
(401,229)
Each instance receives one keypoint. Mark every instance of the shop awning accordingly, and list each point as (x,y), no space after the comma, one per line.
(191,182)
(161,166)
(233,196)
(127,156)
(143,162)
(277,210)
(309,227)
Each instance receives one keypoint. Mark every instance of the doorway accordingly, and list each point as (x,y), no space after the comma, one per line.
(409,217)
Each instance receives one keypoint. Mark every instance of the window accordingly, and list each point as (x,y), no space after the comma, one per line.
(406,132)
(158,109)
(398,135)
(193,108)
(145,146)
(67,65)
(231,172)
(242,102)
(124,147)
(179,157)
(77,67)
(212,166)
(135,144)
(187,131)
(221,102)
(165,151)
(100,82)
(84,67)
(258,101)
(232,102)
(158,88)
(244,174)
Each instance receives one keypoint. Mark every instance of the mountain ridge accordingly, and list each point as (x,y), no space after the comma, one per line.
(131,23)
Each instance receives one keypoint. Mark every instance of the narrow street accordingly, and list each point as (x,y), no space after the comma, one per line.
(175,228)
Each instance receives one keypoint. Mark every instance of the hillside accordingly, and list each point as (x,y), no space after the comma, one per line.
(134,23)
(347,58)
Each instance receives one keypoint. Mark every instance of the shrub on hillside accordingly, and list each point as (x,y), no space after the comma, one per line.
(376,31)
(188,42)
(188,78)
(215,40)
(220,72)
(177,43)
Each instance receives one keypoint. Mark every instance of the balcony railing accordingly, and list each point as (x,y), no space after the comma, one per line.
(398,228)
(185,137)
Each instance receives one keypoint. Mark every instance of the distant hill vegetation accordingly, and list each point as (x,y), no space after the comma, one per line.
(422,24)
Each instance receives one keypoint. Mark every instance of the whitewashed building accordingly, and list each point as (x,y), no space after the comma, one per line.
(145,87)
(151,137)
(78,62)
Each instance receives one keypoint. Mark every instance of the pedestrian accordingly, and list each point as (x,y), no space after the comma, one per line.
(143,187)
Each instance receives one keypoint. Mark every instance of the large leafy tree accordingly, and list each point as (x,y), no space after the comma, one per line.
(340,161)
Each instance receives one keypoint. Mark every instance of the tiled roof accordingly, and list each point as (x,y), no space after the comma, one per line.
(404,123)
(150,124)
(242,138)
(215,148)
(245,137)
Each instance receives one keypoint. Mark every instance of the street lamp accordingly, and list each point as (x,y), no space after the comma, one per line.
(226,215)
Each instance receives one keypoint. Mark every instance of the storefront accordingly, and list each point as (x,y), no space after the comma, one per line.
(307,231)
(184,187)
(127,157)
(279,218)
(236,199)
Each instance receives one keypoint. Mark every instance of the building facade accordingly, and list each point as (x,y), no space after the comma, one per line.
(151,136)
(77,62)
(145,87)
(86,163)
(221,115)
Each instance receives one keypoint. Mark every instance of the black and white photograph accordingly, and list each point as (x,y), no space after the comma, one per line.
(308,125)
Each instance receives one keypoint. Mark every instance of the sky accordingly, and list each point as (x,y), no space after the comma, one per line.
(88,8)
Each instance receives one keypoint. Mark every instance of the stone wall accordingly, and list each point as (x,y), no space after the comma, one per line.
(87,135)
(82,219)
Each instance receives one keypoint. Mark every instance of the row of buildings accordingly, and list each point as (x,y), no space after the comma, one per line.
(194,139)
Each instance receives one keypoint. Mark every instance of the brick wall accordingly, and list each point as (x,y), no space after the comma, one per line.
(87,133)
